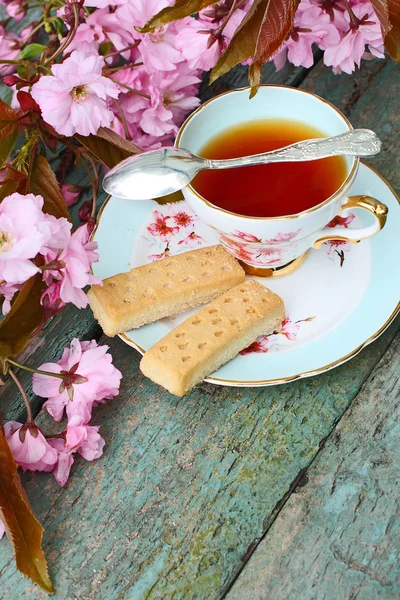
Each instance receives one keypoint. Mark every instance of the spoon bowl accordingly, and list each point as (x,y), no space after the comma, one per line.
(160,172)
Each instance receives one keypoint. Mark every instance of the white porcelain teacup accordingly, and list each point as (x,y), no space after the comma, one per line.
(267,245)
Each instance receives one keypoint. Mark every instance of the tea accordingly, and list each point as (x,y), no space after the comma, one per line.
(272,190)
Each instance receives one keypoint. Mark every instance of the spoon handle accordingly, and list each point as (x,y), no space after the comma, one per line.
(358,142)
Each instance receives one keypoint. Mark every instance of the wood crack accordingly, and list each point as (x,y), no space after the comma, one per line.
(354,566)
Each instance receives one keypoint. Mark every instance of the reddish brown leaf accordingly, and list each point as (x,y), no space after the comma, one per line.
(27,102)
(8,187)
(392,39)
(44,182)
(381,9)
(8,120)
(108,146)
(260,34)
(22,528)
(180,10)
(25,317)
(7,145)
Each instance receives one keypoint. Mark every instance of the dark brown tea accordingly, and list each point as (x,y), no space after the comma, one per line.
(273,190)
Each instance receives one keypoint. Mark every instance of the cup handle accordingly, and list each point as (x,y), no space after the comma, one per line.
(378,209)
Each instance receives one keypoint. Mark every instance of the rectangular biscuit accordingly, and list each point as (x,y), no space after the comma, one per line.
(162,289)
(211,337)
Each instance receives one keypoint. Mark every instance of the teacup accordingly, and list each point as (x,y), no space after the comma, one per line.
(271,246)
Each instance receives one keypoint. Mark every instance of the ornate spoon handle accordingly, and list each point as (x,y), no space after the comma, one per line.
(359,142)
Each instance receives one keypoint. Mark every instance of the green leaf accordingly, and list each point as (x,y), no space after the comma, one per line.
(32,50)
(180,10)
(259,35)
(23,530)
(108,146)
(43,182)
(8,120)
(25,317)
(7,146)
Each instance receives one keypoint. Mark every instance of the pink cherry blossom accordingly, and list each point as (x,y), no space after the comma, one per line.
(311,26)
(154,257)
(284,237)
(24,231)
(88,37)
(342,221)
(160,228)
(192,240)
(73,268)
(71,193)
(289,329)
(7,290)
(364,31)
(341,245)
(247,237)
(192,40)
(30,448)
(16,9)
(335,10)
(64,462)
(83,439)
(75,99)
(10,48)
(2,529)
(182,218)
(157,48)
(261,345)
(90,378)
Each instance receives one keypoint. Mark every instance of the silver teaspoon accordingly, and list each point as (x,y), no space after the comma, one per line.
(160,172)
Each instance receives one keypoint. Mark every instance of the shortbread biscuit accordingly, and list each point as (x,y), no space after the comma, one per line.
(164,288)
(211,337)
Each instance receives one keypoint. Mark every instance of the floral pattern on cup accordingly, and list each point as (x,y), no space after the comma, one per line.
(171,229)
(339,247)
(250,238)
(288,329)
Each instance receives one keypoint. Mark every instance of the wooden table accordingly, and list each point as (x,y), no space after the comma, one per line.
(283,493)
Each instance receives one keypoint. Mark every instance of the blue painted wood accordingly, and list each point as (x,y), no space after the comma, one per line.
(338,535)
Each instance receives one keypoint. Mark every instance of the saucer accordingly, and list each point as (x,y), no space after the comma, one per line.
(340,299)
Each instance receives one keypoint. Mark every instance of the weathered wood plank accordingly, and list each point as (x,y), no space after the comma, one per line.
(338,537)
(185,485)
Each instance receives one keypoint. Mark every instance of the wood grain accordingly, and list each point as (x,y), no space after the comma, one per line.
(338,536)
(186,486)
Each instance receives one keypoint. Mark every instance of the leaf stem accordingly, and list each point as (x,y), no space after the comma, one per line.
(123,120)
(25,397)
(110,54)
(68,39)
(39,371)
(131,89)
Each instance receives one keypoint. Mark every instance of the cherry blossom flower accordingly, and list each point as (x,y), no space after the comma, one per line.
(289,329)
(364,30)
(342,221)
(72,269)
(165,254)
(284,237)
(160,227)
(192,240)
(71,193)
(247,237)
(333,245)
(10,47)
(7,290)
(157,48)
(75,99)
(261,345)
(64,463)
(89,378)
(192,40)
(83,439)
(311,25)
(30,448)
(24,231)
(182,218)
(16,9)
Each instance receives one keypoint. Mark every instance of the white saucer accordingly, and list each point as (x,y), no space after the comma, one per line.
(338,301)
